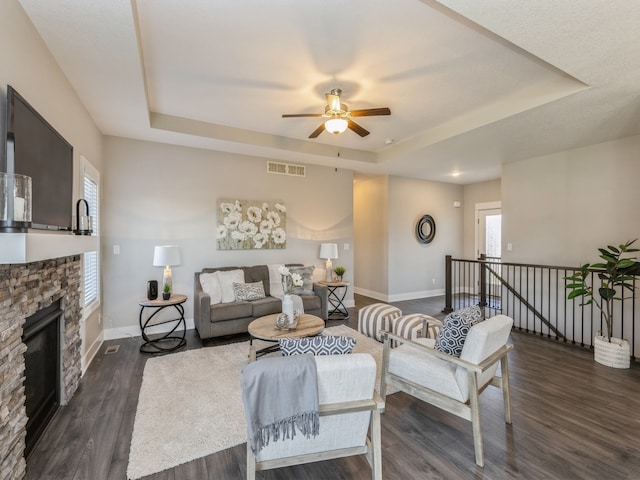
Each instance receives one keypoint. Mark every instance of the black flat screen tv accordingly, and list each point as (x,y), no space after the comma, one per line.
(44,155)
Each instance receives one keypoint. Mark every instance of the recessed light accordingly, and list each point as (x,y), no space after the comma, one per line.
(388,141)
(456,174)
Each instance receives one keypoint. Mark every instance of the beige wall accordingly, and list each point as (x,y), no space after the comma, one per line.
(415,269)
(371,235)
(156,194)
(28,67)
(391,264)
(559,208)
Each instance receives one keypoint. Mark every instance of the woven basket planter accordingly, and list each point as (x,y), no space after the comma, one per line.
(614,354)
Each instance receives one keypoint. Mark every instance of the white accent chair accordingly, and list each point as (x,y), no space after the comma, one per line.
(451,383)
(349,407)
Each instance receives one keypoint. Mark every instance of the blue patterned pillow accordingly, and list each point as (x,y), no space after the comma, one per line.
(455,328)
(320,345)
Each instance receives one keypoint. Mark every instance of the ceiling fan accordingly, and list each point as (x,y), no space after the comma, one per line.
(338,117)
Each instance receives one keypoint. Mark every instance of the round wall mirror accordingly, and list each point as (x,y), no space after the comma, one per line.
(426,229)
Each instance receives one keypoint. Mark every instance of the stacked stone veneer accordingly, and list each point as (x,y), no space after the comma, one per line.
(25,289)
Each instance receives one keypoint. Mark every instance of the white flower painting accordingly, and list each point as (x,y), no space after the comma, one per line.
(245,224)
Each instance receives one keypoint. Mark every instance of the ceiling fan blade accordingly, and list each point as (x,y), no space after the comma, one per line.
(369,112)
(289,115)
(357,128)
(317,131)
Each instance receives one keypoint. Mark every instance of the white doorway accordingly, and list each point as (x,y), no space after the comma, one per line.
(489,229)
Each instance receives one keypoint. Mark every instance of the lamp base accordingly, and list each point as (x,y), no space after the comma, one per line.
(166,281)
(329,268)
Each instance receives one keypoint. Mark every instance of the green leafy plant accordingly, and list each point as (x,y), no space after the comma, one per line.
(167,288)
(616,273)
(339,271)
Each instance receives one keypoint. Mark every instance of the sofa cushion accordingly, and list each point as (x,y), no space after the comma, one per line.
(307,280)
(311,302)
(455,328)
(227,278)
(231,311)
(257,273)
(245,292)
(319,345)
(211,286)
(266,306)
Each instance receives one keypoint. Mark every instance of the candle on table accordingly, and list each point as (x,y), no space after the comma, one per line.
(18,209)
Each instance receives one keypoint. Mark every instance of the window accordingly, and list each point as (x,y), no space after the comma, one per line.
(91,182)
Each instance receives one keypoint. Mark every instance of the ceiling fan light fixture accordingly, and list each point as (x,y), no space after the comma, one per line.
(336,125)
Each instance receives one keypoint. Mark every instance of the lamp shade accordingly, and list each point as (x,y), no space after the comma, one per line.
(166,255)
(336,125)
(328,250)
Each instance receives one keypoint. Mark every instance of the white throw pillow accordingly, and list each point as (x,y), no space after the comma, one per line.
(275,282)
(211,286)
(226,278)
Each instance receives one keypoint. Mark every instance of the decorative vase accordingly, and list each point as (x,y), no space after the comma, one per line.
(166,296)
(287,308)
(614,354)
(282,321)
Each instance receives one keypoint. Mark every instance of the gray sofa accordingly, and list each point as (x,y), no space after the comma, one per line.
(231,318)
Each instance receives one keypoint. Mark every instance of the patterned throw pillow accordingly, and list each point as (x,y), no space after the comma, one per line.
(307,280)
(455,328)
(320,345)
(245,292)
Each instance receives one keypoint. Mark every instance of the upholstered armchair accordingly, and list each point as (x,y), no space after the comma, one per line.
(349,408)
(448,382)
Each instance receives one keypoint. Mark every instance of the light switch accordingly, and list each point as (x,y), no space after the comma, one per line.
(346,246)
(116,249)
(509,246)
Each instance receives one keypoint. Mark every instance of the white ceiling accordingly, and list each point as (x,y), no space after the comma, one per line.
(470,85)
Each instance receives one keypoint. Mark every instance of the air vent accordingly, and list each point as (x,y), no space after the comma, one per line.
(286,169)
(297,170)
(274,167)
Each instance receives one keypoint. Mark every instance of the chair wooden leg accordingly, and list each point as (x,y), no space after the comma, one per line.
(376,467)
(385,368)
(251,463)
(475,419)
(506,389)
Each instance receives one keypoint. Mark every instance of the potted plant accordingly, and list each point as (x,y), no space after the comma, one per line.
(166,292)
(615,273)
(339,272)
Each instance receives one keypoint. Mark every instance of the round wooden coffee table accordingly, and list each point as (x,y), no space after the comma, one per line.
(264,328)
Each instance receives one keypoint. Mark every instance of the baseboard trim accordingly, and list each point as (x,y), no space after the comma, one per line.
(91,352)
(371,294)
(131,331)
(383,297)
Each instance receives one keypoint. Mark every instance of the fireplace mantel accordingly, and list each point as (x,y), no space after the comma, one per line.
(16,248)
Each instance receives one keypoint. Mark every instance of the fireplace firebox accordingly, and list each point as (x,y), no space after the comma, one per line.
(41,335)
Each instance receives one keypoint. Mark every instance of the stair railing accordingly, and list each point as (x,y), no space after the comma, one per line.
(535,297)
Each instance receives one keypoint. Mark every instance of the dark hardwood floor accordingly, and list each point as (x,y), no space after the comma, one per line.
(572,419)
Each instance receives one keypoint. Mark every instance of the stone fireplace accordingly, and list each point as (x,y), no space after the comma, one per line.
(24,290)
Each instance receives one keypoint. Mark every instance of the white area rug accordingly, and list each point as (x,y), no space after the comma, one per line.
(190,404)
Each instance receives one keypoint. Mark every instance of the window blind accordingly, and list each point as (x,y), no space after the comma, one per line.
(91,273)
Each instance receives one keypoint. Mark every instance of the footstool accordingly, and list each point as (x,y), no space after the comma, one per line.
(376,317)
(410,327)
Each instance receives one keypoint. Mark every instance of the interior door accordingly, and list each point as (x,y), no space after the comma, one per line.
(489,238)
(489,243)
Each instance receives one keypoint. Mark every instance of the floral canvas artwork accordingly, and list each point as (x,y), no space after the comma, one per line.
(245,224)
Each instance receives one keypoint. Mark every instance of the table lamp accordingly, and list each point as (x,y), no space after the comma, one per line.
(166,256)
(329,251)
